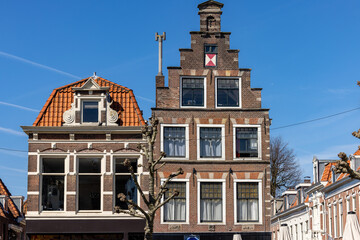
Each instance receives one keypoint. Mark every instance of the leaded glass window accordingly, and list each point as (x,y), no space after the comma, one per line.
(247,142)
(210,202)
(210,142)
(175,209)
(174,141)
(227,92)
(193,92)
(247,202)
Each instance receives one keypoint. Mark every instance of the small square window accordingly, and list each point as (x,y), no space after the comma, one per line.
(193,92)
(90,111)
(53,165)
(227,92)
(89,165)
(210,142)
(247,142)
(174,142)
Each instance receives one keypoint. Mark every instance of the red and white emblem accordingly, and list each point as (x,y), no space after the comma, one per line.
(210,60)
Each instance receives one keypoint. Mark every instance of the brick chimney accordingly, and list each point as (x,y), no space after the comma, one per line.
(210,16)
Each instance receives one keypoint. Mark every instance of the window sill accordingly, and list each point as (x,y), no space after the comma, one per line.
(211,223)
(175,223)
(192,106)
(89,211)
(211,159)
(247,158)
(248,223)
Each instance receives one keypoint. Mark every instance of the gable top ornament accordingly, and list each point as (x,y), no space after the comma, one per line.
(210,3)
(90,84)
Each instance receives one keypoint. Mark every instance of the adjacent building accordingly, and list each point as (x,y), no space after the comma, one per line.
(213,126)
(77,146)
(12,220)
(327,201)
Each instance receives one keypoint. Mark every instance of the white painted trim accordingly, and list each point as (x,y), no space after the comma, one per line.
(187,203)
(71,193)
(223,181)
(186,126)
(216,84)
(107,193)
(261,205)
(222,126)
(33,193)
(258,126)
(205,91)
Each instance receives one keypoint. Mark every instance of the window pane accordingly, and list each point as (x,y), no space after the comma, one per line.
(192,91)
(89,165)
(89,192)
(211,202)
(246,142)
(53,165)
(210,142)
(126,185)
(228,92)
(90,111)
(174,141)
(120,168)
(247,202)
(175,210)
(52,193)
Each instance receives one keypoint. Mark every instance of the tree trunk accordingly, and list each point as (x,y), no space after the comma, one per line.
(149,230)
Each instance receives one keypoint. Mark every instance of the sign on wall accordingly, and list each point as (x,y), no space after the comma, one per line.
(191,237)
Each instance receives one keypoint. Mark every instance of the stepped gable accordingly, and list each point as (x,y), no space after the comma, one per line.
(51,115)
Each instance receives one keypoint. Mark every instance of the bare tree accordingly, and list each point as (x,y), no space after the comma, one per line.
(154,201)
(285,171)
(343,165)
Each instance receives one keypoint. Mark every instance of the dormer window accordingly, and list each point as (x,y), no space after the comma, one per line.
(90,111)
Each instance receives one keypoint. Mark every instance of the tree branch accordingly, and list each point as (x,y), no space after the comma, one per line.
(163,185)
(176,193)
(132,206)
(127,164)
(343,166)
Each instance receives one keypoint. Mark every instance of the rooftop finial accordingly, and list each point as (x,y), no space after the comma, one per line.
(160,39)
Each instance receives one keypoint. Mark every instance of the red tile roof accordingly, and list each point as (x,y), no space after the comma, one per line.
(357,152)
(51,115)
(12,207)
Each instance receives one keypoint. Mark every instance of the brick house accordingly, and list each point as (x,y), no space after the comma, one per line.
(327,202)
(12,221)
(77,146)
(213,126)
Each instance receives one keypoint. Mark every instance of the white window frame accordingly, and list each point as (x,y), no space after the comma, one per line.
(330,220)
(259,181)
(347,204)
(114,174)
(258,126)
(223,181)
(335,218)
(341,220)
(353,200)
(102,158)
(186,126)
(216,89)
(222,126)
(205,92)
(66,172)
(187,202)
(91,99)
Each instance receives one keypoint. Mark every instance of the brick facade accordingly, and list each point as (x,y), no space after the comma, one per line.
(229,169)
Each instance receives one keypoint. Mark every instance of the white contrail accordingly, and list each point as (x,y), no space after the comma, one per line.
(18,106)
(37,64)
(13,169)
(13,132)
(145,99)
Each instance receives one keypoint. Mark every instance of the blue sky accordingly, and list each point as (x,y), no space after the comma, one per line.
(304,54)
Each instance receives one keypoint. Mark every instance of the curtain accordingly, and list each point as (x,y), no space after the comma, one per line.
(247,210)
(175,210)
(174,141)
(210,143)
(211,210)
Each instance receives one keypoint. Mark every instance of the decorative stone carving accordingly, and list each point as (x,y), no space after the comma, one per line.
(112,115)
(69,115)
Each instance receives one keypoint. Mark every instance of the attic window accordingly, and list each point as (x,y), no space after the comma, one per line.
(90,112)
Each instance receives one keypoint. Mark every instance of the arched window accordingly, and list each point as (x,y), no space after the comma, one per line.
(210,23)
